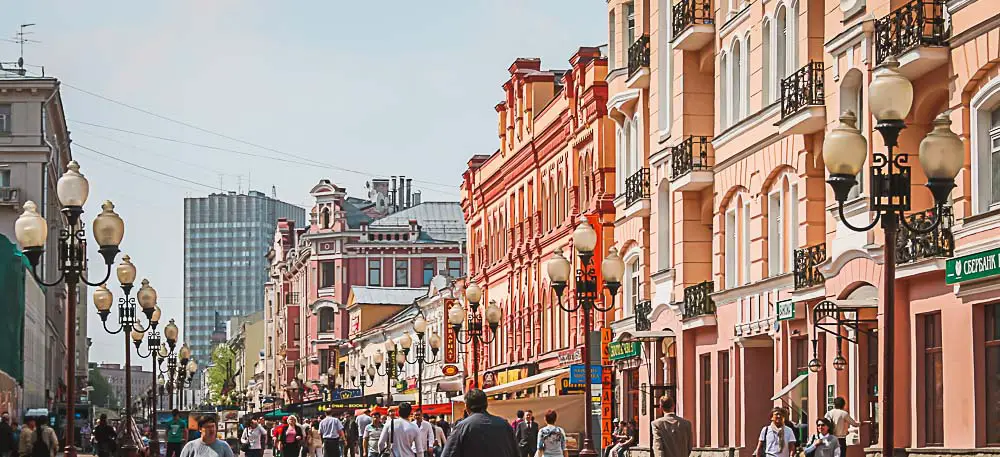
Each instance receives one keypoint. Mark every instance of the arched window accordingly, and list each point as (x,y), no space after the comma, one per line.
(782,225)
(633,286)
(766,90)
(850,100)
(326,320)
(737,241)
(745,78)
(666,67)
(324,217)
(781,42)
(723,92)
(636,152)
(621,157)
(985,130)
(793,34)
(736,81)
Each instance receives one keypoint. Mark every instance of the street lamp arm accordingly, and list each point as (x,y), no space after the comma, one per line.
(843,218)
(107,275)
(567,307)
(611,303)
(62,275)
(933,225)
(468,339)
(488,337)
(433,358)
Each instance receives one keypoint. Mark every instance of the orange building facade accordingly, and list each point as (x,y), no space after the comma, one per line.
(555,163)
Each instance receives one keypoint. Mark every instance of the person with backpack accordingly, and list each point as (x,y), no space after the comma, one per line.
(38,439)
(776,438)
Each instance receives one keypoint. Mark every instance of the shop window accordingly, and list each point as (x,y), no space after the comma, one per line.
(800,398)
(375,272)
(724,399)
(933,407)
(992,381)
(706,400)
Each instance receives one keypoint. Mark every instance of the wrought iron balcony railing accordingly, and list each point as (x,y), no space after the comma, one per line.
(638,55)
(637,186)
(806,261)
(690,12)
(697,300)
(917,23)
(802,88)
(642,310)
(940,242)
(691,154)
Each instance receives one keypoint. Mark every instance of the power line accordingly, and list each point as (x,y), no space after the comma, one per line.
(95,151)
(165,156)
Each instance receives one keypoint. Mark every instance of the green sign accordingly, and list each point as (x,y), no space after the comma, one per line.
(829,397)
(622,351)
(785,310)
(972,266)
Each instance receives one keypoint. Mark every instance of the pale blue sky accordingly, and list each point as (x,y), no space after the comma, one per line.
(390,87)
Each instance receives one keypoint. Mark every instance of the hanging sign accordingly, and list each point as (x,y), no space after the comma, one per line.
(973,266)
(569,357)
(785,310)
(449,370)
(450,338)
(577,373)
(622,351)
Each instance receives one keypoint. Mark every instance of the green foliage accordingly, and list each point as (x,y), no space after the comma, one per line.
(224,364)
(102,395)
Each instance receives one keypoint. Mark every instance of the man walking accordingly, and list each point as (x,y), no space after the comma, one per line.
(526,435)
(6,436)
(208,445)
(363,421)
(176,434)
(425,438)
(672,434)
(400,435)
(481,434)
(842,421)
(105,434)
(253,437)
(332,431)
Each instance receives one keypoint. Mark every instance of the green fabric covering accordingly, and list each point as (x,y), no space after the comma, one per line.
(12,275)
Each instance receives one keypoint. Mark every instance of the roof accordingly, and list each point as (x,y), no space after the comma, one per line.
(441,221)
(353,209)
(366,295)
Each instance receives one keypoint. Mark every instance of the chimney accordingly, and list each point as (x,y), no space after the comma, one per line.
(416,198)
(392,195)
(402,191)
(409,192)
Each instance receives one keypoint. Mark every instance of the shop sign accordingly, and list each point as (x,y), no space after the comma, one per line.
(785,310)
(627,364)
(568,388)
(973,266)
(570,356)
(502,378)
(622,351)
(606,337)
(829,397)
(449,370)
(489,380)
(578,372)
(341,394)
(411,382)
(450,337)
(605,385)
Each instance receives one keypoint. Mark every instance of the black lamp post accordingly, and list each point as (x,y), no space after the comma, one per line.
(128,324)
(155,350)
(32,231)
(173,370)
(420,354)
(186,370)
(941,155)
(474,333)
(586,296)
(358,377)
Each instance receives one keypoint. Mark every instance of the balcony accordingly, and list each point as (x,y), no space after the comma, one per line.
(637,187)
(807,262)
(690,164)
(802,100)
(698,301)
(694,24)
(913,246)
(10,196)
(638,64)
(916,34)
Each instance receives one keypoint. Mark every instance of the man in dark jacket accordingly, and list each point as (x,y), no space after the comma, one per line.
(526,435)
(6,436)
(481,434)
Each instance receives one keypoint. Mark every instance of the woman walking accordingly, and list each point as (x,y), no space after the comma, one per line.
(824,443)
(291,438)
(551,438)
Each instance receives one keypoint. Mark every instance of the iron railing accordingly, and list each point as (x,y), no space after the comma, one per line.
(802,88)
(642,310)
(691,154)
(806,261)
(637,186)
(915,24)
(690,12)
(697,300)
(914,246)
(638,55)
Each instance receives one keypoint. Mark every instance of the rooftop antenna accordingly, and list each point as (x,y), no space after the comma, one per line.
(21,38)
(274,192)
(222,182)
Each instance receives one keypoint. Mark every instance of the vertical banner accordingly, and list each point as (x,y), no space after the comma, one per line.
(599,252)
(450,338)
(607,397)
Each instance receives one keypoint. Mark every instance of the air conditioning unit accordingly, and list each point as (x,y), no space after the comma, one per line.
(10,196)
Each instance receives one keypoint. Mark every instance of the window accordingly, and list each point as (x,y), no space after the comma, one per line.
(324,360)
(992,374)
(736,82)
(454,268)
(724,399)
(775,234)
(666,67)
(634,278)
(782,226)
(800,398)
(5,119)
(326,320)
(781,40)
(402,273)
(851,100)
(663,228)
(745,238)
(374,272)
(327,278)
(723,92)
(800,356)
(429,271)
(995,154)
(933,412)
(629,24)
(611,40)
(706,400)
(730,236)
(768,91)
(4,178)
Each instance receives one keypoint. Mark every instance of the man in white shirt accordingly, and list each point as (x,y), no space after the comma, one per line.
(425,439)
(254,436)
(842,422)
(400,434)
(439,439)
(332,431)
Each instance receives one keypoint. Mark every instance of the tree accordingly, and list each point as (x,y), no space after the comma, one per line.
(102,395)
(221,375)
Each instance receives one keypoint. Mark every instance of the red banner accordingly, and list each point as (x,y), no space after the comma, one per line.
(450,338)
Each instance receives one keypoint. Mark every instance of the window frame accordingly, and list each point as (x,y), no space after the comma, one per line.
(431,266)
(327,279)
(375,265)
(405,270)
(991,351)
(455,272)
(730,253)
(933,399)
(724,407)
(705,367)
(6,118)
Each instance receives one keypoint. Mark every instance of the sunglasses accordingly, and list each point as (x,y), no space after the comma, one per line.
(821,425)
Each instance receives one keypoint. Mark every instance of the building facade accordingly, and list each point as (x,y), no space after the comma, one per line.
(555,163)
(226,236)
(115,374)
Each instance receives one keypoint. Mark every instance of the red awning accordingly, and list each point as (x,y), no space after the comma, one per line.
(434,410)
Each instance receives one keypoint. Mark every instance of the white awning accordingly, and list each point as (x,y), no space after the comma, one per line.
(795,382)
(520,384)
(399,398)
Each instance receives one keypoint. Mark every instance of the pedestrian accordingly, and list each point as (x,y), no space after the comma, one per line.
(6,436)
(38,439)
(776,439)
(253,439)
(425,439)
(823,443)
(351,434)
(439,438)
(85,433)
(104,435)
(276,433)
(292,438)
(480,434)
(176,434)
(370,436)
(552,438)
(517,420)
(445,426)
(17,434)
(363,421)
(332,431)
(842,422)
(209,444)
(672,434)
(526,435)
(314,441)
(400,435)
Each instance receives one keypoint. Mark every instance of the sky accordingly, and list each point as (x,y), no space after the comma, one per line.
(276,94)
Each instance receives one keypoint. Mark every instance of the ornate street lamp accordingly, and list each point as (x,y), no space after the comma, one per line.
(473,332)
(941,154)
(357,376)
(420,354)
(32,231)
(586,295)
(392,367)
(154,350)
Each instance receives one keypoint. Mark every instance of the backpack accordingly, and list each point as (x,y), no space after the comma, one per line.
(40,448)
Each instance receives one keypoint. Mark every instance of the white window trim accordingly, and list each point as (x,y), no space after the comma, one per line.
(637,145)
(633,269)
(730,248)
(735,81)
(981,106)
(792,234)
(724,91)
(666,67)
(745,232)
(775,231)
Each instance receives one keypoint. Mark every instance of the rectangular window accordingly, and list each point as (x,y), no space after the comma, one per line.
(374,272)
(793,227)
(933,413)
(5,119)
(4,178)
(324,360)
(745,232)
(724,399)
(630,24)
(454,268)
(730,236)
(800,356)
(635,283)
(706,400)
(774,234)
(327,278)
(429,271)
(402,273)
(992,352)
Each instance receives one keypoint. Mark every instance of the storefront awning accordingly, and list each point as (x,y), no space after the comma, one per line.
(795,382)
(520,384)
(651,335)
